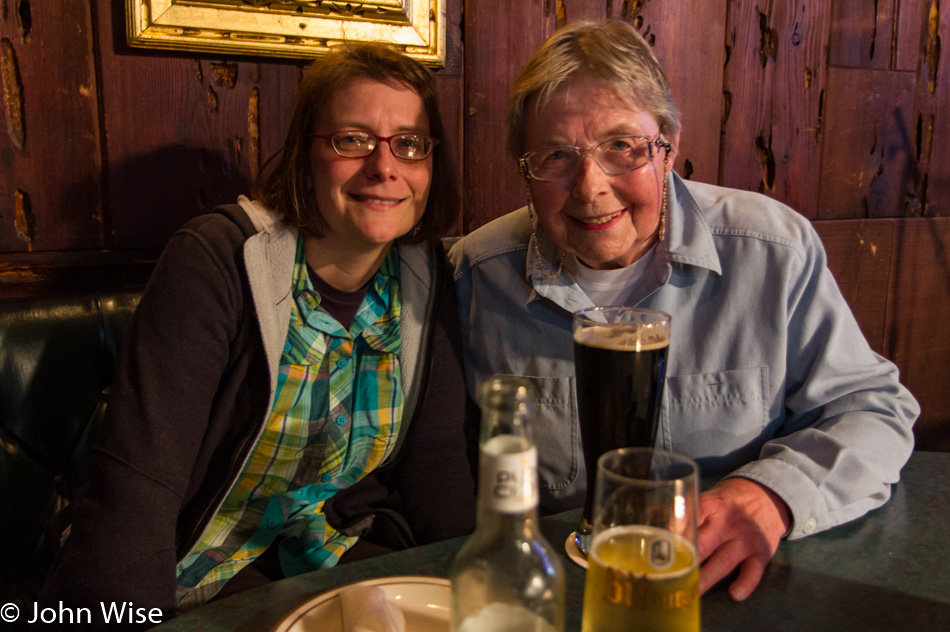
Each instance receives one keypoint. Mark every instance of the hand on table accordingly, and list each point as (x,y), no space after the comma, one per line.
(740,525)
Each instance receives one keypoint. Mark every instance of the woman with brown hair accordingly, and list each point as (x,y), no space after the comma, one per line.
(290,389)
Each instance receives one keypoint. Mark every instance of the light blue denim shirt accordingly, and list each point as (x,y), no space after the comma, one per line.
(768,376)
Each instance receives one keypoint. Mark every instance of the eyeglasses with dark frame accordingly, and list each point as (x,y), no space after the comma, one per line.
(615,156)
(359,144)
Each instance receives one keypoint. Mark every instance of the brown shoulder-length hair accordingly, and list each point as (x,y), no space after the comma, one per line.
(285,184)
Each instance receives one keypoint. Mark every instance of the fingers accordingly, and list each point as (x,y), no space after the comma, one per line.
(737,530)
(707,542)
(723,560)
(750,574)
(711,532)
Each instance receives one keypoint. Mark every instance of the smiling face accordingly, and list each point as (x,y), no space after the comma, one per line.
(607,221)
(369,202)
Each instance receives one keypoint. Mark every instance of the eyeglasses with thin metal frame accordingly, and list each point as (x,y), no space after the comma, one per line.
(615,156)
(359,144)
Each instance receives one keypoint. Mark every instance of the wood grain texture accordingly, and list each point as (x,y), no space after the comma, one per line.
(449,85)
(796,103)
(449,89)
(574,10)
(861,33)
(12,94)
(910,33)
(882,35)
(173,152)
(859,257)
(916,336)
(686,37)
(868,153)
(500,36)
(932,113)
(59,165)
(771,137)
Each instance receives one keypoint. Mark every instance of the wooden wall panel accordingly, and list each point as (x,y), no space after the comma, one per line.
(500,36)
(932,188)
(859,255)
(575,10)
(883,35)
(917,337)
(686,37)
(449,85)
(868,152)
(773,86)
(861,33)
(49,178)
(180,133)
(910,32)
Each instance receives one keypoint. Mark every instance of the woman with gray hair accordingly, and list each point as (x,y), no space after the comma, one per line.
(769,385)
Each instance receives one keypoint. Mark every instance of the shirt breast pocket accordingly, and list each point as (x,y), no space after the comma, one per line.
(719,418)
(556,434)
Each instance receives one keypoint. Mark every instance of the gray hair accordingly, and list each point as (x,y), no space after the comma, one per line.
(611,51)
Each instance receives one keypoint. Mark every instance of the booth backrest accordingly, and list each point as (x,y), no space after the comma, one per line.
(57,359)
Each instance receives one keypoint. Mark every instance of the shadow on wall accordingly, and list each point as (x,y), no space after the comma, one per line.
(154,194)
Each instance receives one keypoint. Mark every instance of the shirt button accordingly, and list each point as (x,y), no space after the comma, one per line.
(341,363)
(273,523)
(326,478)
(287,346)
(809,526)
(380,279)
(341,419)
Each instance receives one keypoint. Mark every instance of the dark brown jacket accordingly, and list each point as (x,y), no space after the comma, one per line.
(193,390)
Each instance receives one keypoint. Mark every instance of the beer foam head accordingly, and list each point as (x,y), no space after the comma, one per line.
(623,338)
(632,550)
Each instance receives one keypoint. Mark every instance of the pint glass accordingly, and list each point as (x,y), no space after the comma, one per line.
(619,365)
(642,568)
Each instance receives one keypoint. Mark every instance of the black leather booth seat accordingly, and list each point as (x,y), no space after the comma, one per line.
(57,358)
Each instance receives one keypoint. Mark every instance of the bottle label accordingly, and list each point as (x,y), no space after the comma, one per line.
(508,475)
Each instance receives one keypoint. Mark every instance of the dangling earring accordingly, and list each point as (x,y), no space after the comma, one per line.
(666,173)
(534,239)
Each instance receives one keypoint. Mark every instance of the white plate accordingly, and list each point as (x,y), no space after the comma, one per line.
(570,547)
(425,601)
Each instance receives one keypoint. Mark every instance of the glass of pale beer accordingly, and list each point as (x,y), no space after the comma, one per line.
(619,366)
(642,567)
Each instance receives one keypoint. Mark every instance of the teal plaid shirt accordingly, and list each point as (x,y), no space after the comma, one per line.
(336,416)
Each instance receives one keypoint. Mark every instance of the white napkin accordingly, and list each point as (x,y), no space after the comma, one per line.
(366,609)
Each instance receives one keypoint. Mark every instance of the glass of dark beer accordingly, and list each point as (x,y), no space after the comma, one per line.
(619,362)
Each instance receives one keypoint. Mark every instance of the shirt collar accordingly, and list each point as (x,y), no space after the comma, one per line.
(378,317)
(689,238)
(561,289)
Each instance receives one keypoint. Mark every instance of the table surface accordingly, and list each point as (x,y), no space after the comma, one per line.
(887,571)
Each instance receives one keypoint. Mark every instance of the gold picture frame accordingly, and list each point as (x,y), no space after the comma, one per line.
(288,28)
